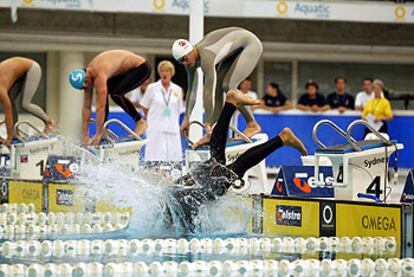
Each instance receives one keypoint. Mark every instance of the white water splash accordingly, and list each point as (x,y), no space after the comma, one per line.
(146,194)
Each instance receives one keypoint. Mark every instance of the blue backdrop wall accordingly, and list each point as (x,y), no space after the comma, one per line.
(401,129)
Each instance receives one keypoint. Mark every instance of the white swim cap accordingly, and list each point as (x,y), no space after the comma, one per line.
(180,48)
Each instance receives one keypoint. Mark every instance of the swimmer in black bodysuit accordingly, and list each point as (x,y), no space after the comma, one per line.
(212,178)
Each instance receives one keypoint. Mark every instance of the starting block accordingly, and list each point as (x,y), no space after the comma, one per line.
(27,156)
(124,149)
(233,150)
(360,168)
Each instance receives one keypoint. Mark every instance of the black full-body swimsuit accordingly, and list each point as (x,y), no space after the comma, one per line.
(211,179)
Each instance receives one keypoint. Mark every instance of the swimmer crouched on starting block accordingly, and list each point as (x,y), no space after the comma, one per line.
(20,76)
(227,56)
(112,73)
(211,179)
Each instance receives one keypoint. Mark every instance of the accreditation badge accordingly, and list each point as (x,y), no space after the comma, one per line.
(166,112)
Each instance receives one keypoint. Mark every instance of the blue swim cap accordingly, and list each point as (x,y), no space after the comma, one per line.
(77,78)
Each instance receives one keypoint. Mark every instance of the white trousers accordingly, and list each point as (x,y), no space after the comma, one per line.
(163,146)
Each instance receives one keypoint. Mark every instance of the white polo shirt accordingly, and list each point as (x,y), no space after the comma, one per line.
(252,94)
(362,98)
(135,95)
(163,107)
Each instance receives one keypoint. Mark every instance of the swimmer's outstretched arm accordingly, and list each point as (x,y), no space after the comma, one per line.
(190,97)
(8,115)
(86,115)
(101,94)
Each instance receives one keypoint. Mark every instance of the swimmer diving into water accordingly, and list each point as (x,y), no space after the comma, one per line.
(112,73)
(20,76)
(211,179)
(227,56)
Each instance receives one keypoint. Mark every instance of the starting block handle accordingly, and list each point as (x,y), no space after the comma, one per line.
(93,120)
(335,127)
(90,153)
(186,133)
(234,129)
(363,122)
(120,123)
(243,136)
(18,131)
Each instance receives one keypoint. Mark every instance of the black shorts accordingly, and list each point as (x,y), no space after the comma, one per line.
(133,78)
(121,84)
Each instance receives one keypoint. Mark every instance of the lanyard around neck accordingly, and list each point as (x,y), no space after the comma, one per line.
(166,100)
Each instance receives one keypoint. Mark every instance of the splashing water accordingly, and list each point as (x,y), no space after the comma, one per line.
(149,195)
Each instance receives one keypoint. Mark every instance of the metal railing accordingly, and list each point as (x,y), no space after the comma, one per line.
(363,122)
(112,137)
(335,127)
(234,129)
(18,131)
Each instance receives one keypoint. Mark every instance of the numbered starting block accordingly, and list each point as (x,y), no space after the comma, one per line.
(233,150)
(123,149)
(27,156)
(359,168)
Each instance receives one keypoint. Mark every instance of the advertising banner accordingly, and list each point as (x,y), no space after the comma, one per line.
(299,181)
(303,10)
(26,193)
(368,220)
(65,198)
(290,217)
(408,192)
(327,218)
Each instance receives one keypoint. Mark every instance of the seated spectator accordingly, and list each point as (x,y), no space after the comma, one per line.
(378,109)
(312,100)
(340,99)
(274,100)
(246,87)
(363,96)
(137,94)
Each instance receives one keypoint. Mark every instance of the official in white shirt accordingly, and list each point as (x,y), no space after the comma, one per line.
(137,94)
(362,97)
(245,87)
(162,104)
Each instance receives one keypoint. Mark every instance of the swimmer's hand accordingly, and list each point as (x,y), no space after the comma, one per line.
(6,142)
(185,125)
(86,141)
(169,178)
(96,140)
(206,139)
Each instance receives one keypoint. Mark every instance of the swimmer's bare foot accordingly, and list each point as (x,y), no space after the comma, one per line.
(252,129)
(237,98)
(141,127)
(203,141)
(206,138)
(50,125)
(289,139)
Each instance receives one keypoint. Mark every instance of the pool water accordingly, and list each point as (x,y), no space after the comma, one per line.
(124,252)
(138,244)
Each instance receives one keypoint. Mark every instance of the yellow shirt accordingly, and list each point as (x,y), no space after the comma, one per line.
(378,107)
